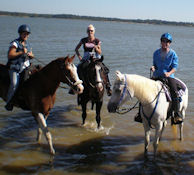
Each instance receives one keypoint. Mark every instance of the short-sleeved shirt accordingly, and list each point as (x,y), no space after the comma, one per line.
(89,45)
(20,60)
(89,48)
(165,64)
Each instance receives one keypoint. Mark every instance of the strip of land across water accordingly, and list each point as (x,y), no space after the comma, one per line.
(70,16)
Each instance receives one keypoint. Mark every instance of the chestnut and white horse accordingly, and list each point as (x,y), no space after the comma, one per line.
(38,93)
(154,104)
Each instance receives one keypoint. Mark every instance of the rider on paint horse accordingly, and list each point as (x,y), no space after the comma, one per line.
(19,55)
(92,48)
(165,63)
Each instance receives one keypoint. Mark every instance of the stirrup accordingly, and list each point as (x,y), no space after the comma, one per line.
(177,120)
(138,118)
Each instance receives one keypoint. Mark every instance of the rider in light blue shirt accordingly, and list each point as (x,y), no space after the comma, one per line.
(165,64)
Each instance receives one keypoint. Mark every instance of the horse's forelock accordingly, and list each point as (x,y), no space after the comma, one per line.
(119,76)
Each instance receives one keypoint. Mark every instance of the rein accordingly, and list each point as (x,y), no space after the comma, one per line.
(96,82)
(152,114)
(69,81)
(125,110)
(94,86)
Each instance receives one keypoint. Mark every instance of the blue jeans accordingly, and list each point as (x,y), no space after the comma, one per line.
(14,82)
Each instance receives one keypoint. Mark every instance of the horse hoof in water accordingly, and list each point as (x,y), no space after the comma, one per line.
(52,151)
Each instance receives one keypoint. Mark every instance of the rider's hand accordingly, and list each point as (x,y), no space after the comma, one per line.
(152,68)
(167,74)
(25,50)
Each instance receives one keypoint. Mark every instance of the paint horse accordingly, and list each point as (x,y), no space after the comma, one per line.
(37,94)
(92,75)
(155,105)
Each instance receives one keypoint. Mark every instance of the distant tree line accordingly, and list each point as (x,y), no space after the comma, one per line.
(69,16)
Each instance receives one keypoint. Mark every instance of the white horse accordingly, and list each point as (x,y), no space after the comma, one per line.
(154,105)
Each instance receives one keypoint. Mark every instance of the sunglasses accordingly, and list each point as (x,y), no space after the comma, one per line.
(165,41)
(90,30)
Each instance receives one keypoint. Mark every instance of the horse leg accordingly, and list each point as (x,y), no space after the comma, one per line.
(39,134)
(42,124)
(39,130)
(164,126)
(181,126)
(84,114)
(147,139)
(158,134)
(98,108)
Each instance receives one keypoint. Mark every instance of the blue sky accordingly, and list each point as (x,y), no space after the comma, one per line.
(170,10)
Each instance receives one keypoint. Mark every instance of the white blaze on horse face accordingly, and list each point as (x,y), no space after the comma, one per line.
(98,78)
(78,82)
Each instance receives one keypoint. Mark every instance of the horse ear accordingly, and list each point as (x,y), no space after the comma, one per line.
(102,58)
(72,58)
(119,75)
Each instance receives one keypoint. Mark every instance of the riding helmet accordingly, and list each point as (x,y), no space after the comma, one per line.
(166,36)
(24,28)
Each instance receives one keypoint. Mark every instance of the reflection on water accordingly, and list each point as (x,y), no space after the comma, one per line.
(82,149)
(117,147)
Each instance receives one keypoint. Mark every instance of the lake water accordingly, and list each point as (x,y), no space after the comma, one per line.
(117,148)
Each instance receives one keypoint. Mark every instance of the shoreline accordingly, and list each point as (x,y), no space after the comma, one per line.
(70,16)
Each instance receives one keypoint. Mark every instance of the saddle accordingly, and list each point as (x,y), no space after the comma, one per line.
(180,86)
(5,81)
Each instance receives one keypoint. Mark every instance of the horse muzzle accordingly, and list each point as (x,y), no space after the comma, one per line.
(78,89)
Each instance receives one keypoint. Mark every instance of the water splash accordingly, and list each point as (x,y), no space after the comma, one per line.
(92,127)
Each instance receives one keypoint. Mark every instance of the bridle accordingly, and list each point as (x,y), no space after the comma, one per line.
(125,91)
(71,83)
(91,83)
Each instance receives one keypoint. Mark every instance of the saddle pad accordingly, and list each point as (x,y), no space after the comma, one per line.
(181,86)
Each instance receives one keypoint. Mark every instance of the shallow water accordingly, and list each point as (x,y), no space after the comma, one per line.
(117,147)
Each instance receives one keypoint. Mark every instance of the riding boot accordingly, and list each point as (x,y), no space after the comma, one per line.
(9,103)
(138,118)
(9,106)
(178,118)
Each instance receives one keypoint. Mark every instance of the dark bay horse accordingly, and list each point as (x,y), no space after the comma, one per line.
(92,76)
(37,94)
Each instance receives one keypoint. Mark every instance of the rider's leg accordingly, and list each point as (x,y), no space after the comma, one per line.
(14,82)
(175,100)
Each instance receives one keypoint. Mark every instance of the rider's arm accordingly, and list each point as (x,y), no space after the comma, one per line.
(98,49)
(174,65)
(77,50)
(30,54)
(13,54)
(167,74)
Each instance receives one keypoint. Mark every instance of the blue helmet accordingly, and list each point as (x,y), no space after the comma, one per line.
(167,36)
(24,28)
